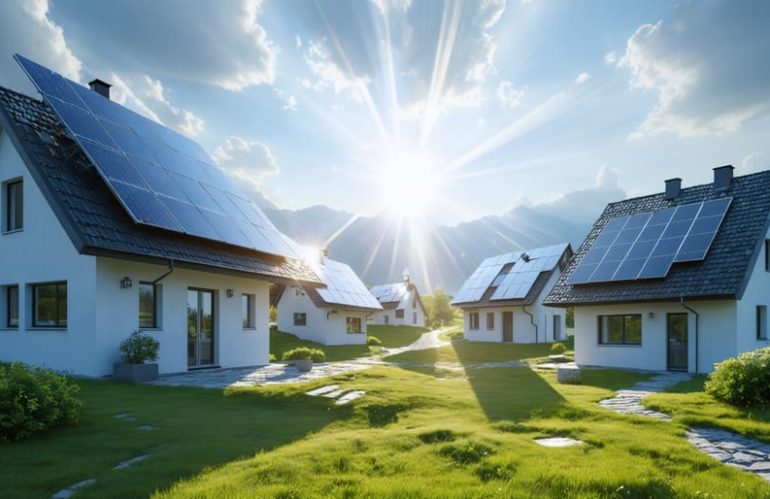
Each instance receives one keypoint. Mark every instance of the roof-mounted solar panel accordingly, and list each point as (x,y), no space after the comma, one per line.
(343,287)
(160,177)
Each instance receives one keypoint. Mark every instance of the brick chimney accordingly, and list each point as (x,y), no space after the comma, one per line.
(100,87)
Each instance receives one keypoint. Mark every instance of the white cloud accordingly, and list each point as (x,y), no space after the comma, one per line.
(147,96)
(385,5)
(611,58)
(704,67)
(329,74)
(508,96)
(754,162)
(248,160)
(25,28)
(607,178)
(289,101)
(582,78)
(298,41)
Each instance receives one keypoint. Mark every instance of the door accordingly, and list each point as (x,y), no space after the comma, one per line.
(507,327)
(677,342)
(556,327)
(200,328)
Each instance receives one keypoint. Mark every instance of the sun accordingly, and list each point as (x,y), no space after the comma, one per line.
(409,185)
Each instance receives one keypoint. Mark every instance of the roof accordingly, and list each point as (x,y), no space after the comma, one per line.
(512,279)
(343,288)
(390,295)
(93,218)
(722,274)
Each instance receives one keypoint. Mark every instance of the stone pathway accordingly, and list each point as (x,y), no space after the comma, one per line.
(130,462)
(69,491)
(732,449)
(630,401)
(425,342)
(558,442)
(335,392)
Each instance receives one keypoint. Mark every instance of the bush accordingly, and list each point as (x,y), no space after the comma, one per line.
(139,348)
(33,400)
(469,453)
(743,380)
(305,353)
(373,341)
(558,349)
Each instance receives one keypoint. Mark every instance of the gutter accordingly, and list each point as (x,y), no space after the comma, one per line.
(168,273)
(531,320)
(697,330)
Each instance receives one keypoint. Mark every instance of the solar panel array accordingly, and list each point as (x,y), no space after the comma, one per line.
(343,287)
(646,245)
(161,178)
(386,293)
(511,274)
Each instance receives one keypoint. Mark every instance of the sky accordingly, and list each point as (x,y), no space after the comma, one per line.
(446,111)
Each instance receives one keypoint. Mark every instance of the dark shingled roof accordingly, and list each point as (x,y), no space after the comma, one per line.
(94,220)
(724,272)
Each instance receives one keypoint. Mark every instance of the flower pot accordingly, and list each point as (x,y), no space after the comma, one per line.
(303,365)
(135,373)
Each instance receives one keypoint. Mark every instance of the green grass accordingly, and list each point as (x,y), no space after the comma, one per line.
(396,336)
(281,342)
(474,352)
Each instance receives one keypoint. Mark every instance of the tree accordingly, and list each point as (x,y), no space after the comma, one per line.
(437,309)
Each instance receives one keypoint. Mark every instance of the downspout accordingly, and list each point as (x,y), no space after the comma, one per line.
(168,273)
(697,330)
(532,321)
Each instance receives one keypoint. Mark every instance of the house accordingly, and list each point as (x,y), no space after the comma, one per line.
(401,303)
(113,223)
(334,315)
(502,301)
(676,280)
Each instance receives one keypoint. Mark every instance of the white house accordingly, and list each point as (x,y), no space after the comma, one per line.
(334,315)
(401,304)
(502,301)
(677,280)
(87,258)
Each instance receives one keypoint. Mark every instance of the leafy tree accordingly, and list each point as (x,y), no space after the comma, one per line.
(570,319)
(273,314)
(437,308)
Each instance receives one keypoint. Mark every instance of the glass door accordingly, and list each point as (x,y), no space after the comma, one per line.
(200,328)
(677,342)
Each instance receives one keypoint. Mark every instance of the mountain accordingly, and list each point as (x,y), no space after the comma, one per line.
(379,248)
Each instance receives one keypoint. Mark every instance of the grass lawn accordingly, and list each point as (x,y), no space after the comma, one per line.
(280,342)
(396,336)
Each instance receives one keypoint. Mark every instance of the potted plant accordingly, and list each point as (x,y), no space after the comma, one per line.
(137,350)
(303,357)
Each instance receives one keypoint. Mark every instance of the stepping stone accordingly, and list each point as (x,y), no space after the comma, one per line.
(145,427)
(322,390)
(760,466)
(557,442)
(124,416)
(334,394)
(64,494)
(349,397)
(131,462)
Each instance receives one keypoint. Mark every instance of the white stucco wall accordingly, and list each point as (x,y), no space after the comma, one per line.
(413,316)
(757,293)
(327,326)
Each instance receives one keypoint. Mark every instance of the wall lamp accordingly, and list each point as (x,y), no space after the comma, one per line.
(230,293)
(651,315)
(126,283)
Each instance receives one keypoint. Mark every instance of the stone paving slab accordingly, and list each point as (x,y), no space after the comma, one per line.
(630,401)
(69,491)
(349,397)
(322,390)
(732,449)
(130,462)
(558,442)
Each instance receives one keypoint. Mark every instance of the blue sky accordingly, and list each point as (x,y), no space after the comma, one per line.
(471,107)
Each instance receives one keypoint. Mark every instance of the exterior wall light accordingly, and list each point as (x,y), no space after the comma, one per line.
(126,283)
(230,292)
(651,315)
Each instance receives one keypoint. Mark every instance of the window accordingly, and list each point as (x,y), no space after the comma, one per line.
(353,325)
(620,329)
(490,321)
(49,305)
(414,302)
(300,319)
(148,305)
(387,318)
(12,306)
(248,310)
(400,313)
(473,320)
(414,317)
(761,322)
(14,206)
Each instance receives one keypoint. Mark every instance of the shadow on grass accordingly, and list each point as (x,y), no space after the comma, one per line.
(191,429)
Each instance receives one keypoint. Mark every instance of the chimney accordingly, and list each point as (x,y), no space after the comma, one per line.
(322,256)
(406,276)
(100,87)
(673,186)
(723,177)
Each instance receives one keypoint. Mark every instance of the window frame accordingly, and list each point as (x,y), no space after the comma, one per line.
(399,313)
(473,321)
(352,320)
(490,323)
(761,322)
(58,325)
(624,335)
(250,320)
(297,316)
(8,308)
(767,255)
(10,213)
(155,305)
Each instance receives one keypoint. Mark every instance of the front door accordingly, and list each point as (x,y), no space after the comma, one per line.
(200,328)
(556,327)
(508,327)
(677,342)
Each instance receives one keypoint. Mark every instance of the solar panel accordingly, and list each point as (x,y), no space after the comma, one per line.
(646,245)
(386,293)
(343,287)
(160,177)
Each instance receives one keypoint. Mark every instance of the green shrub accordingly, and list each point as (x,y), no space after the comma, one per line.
(272,358)
(433,437)
(373,341)
(742,380)
(305,353)
(558,349)
(139,348)
(33,400)
(469,453)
